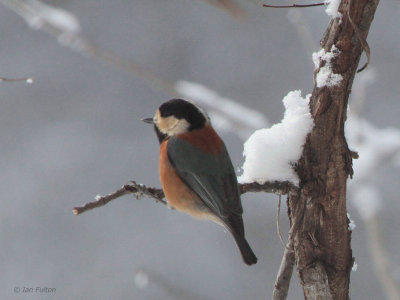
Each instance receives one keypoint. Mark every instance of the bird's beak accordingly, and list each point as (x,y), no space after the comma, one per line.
(148,120)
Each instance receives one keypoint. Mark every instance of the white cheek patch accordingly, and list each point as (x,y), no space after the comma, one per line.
(172,126)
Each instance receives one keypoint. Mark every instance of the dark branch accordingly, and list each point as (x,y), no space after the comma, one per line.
(274,187)
(294,5)
(140,190)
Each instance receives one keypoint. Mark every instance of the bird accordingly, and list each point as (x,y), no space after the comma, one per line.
(196,172)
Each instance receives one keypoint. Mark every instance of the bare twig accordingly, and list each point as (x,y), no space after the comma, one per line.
(140,190)
(362,39)
(294,5)
(284,275)
(278,226)
(133,188)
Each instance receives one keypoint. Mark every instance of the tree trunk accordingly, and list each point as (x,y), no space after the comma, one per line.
(317,209)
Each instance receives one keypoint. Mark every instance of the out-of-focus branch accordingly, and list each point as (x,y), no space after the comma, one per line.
(230,7)
(379,255)
(65,27)
(140,190)
(377,148)
(24,79)
(226,114)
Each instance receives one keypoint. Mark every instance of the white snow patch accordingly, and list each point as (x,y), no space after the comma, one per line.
(98,197)
(352,225)
(325,75)
(271,152)
(332,8)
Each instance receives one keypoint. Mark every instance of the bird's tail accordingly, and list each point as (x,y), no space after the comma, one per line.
(244,247)
(234,223)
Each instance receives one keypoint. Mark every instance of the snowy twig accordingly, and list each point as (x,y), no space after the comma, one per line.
(294,5)
(140,190)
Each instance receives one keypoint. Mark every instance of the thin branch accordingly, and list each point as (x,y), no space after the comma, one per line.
(361,38)
(282,281)
(140,190)
(133,188)
(278,226)
(294,5)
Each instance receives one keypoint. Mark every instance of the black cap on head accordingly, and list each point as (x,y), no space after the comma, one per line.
(182,109)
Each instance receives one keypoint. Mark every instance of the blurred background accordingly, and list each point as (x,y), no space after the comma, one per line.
(76,132)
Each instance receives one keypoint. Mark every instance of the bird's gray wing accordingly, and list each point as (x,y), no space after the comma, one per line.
(210,176)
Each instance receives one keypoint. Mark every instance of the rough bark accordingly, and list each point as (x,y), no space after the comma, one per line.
(317,210)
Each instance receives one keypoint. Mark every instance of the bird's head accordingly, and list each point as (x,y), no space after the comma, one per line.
(177,116)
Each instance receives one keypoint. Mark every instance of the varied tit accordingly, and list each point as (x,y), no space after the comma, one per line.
(196,171)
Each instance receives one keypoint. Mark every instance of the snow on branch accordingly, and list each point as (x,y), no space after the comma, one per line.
(271,153)
(226,114)
(323,61)
(332,8)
